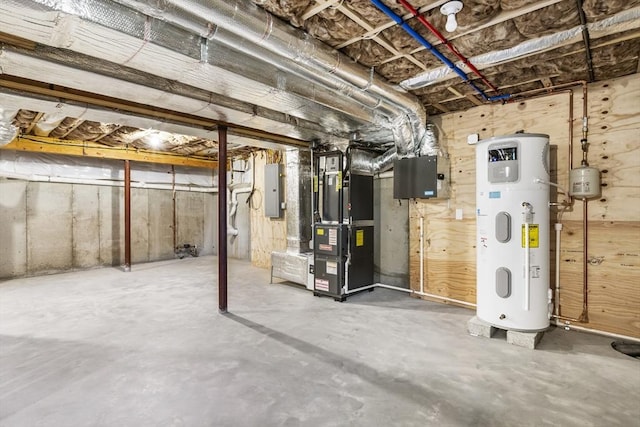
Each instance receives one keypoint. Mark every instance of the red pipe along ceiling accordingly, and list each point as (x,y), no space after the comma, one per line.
(446,42)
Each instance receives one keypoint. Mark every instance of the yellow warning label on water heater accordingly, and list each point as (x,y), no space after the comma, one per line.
(339,181)
(315,183)
(534,234)
(359,237)
(320,231)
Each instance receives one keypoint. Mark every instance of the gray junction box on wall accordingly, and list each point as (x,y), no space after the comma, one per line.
(272,191)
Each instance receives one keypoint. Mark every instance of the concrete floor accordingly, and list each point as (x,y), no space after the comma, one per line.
(148,348)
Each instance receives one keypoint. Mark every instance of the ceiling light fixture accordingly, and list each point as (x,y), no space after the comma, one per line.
(154,140)
(450,9)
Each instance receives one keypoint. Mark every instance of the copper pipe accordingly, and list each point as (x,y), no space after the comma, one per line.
(565,318)
(585,263)
(127,216)
(584,316)
(222,219)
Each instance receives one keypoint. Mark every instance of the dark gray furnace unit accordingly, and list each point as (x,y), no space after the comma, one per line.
(343,232)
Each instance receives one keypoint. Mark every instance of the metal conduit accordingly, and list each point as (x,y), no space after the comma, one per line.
(413,33)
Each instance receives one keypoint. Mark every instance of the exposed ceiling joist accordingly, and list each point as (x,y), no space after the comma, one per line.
(377,30)
(378,38)
(318,7)
(502,17)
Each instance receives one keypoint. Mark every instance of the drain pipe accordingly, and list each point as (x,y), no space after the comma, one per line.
(569,327)
(413,33)
(411,291)
(233,190)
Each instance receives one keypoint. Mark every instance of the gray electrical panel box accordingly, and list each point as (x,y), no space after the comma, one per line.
(423,177)
(272,191)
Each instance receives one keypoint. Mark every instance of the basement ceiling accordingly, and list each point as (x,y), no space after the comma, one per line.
(361,31)
(145,75)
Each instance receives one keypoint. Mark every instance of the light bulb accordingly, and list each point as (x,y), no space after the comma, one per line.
(450,9)
(154,141)
(452,24)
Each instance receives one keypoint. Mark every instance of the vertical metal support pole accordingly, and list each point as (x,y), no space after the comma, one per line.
(127,216)
(222,219)
(174,224)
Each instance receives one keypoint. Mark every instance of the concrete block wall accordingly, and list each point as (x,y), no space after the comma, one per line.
(51,227)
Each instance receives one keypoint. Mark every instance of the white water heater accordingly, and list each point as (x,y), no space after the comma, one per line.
(512,197)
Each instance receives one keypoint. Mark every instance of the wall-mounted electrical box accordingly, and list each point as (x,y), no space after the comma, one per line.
(272,191)
(424,177)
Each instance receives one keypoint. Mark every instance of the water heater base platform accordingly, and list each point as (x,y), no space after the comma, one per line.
(480,328)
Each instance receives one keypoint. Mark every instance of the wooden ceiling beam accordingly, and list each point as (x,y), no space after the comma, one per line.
(370,34)
(104,135)
(73,127)
(37,144)
(318,7)
(34,122)
(440,107)
(378,38)
(502,17)
(12,40)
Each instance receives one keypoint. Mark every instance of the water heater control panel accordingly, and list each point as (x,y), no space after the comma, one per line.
(503,162)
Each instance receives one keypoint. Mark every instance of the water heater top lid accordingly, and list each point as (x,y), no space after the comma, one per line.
(514,136)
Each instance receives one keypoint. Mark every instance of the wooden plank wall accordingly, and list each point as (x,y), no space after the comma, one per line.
(613,219)
(267,234)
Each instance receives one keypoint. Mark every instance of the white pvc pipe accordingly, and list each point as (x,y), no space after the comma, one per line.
(558,228)
(527,275)
(411,291)
(233,202)
(105,182)
(457,301)
(234,190)
(394,288)
(594,331)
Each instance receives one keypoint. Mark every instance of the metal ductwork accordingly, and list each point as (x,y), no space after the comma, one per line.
(234,50)
(243,26)
(298,190)
(293,264)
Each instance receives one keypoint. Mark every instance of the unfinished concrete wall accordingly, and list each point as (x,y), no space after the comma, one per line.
(391,245)
(160,238)
(13,228)
(86,226)
(50,227)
